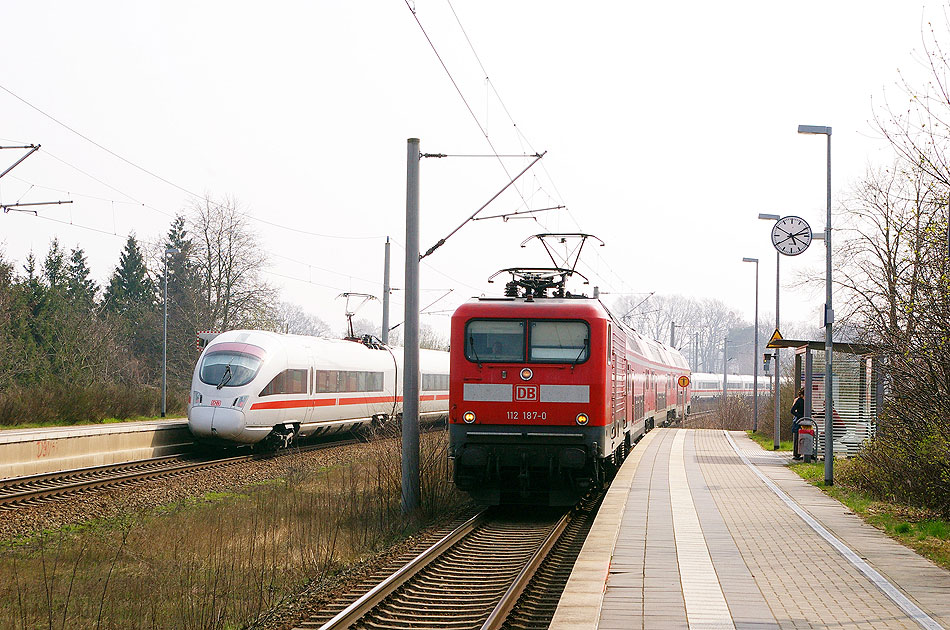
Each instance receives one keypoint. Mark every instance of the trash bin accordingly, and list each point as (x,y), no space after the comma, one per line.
(806,439)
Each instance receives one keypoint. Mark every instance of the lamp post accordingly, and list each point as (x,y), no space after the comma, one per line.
(755,351)
(829,312)
(168,252)
(777,436)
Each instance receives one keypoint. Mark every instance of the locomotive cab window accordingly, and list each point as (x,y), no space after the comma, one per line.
(493,341)
(559,342)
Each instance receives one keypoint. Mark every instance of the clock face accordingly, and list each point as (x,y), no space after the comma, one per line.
(791,235)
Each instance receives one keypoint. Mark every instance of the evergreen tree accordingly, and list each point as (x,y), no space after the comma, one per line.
(17,350)
(186,311)
(54,267)
(130,301)
(130,291)
(80,288)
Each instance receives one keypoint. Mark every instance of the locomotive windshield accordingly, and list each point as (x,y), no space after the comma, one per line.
(549,341)
(559,342)
(488,341)
(229,368)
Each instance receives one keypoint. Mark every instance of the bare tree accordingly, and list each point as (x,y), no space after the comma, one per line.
(881,260)
(290,318)
(920,134)
(431,338)
(230,259)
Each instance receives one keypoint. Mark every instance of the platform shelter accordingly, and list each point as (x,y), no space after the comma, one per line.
(856,385)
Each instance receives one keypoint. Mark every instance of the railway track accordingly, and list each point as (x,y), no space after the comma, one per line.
(22,492)
(19,492)
(499,569)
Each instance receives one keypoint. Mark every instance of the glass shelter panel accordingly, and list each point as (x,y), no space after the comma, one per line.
(855,395)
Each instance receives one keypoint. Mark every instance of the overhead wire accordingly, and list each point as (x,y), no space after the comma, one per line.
(459,91)
(163,179)
(136,201)
(522,136)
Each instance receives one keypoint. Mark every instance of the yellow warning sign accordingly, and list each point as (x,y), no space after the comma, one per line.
(776,336)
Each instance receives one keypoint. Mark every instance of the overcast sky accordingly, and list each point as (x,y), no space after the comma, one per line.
(668,125)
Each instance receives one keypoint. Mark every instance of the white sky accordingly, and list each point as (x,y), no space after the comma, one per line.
(669,126)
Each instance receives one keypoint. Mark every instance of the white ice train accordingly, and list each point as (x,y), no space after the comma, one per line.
(252,386)
(705,385)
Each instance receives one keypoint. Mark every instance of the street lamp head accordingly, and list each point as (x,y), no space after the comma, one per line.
(769,217)
(755,260)
(815,129)
(172,250)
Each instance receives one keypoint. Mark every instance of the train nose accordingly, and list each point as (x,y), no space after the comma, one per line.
(199,421)
(227,423)
(216,422)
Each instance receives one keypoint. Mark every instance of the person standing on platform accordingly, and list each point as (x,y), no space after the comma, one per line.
(798,412)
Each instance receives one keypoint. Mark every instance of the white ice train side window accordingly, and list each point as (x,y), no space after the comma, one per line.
(559,341)
(435,382)
(287,382)
(339,381)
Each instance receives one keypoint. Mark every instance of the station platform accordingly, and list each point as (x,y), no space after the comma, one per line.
(53,449)
(705,529)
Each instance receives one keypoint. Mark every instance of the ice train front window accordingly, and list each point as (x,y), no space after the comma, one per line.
(229,367)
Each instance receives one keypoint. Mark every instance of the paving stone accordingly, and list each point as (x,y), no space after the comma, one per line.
(739,545)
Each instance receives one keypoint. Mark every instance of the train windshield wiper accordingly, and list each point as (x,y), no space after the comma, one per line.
(578,357)
(471,341)
(226,376)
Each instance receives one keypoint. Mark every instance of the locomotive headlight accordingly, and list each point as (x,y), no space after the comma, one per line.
(468,417)
(582,419)
(239,402)
(526,374)
(196,397)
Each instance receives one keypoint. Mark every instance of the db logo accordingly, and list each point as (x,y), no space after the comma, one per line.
(215,403)
(528,393)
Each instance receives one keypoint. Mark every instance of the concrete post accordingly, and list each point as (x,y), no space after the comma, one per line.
(410,372)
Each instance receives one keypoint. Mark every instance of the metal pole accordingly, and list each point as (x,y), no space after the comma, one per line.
(386,289)
(829,346)
(778,386)
(696,352)
(165,333)
(725,362)
(672,334)
(410,372)
(755,356)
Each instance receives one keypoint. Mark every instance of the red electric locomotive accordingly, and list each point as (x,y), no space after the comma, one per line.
(547,394)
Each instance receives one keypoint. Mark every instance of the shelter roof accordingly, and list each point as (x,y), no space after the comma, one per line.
(837,346)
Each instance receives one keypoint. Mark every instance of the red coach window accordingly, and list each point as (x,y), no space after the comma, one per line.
(494,340)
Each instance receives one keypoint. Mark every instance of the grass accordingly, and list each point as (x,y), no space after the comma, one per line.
(222,559)
(767,442)
(921,530)
(61,423)
(63,404)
